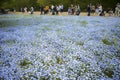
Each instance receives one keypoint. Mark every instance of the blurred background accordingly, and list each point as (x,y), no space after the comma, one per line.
(18,4)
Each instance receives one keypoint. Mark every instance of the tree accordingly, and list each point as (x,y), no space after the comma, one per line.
(17,4)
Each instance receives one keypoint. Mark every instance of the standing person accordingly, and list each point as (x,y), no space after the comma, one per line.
(72,9)
(62,8)
(41,10)
(22,10)
(93,9)
(53,10)
(110,12)
(32,10)
(57,9)
(46,10)
(100,9)
(89,9)
(25,9)
(97,9)
(78,10)
(69,11)
(75,9)
(117,9)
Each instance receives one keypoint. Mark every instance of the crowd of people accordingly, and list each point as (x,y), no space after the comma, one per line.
(75,10)
(91,9)
(99,10)
(117,9)
(25,10)
(55,10)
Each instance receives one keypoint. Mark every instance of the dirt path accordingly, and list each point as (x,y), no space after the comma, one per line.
(61,14)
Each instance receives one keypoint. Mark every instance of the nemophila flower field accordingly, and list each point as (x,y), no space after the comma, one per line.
(34,47)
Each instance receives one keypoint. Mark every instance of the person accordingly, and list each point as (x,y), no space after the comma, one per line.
(32,10)
(100,9)
(117,9)
(25,9)
(93,9)
(72,9)
(97,10)
(102,13)
(62,7)
(110,12)
(57,9)
(89,9)
(75,9)
(46,9)
(22,10)
(53,10)
(78,10)
(41,10)
(69,11)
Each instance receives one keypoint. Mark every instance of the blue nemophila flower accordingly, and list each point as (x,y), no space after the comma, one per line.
(59,47)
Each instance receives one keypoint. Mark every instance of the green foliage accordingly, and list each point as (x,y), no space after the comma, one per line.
(44,78)
(80,43)
(84,23)
(58,79)
(46,28)
(59,30)
(17,4)
(29,76)
(0,48)
(59,60)
(2,78)
(25,78)
(108,72)
(8,23)
(10,42)
(107,42)
(96,53)
(33,76)
(53,72)
(25,63)
(65,50)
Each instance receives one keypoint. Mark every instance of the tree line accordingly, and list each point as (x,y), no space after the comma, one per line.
(18,4)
